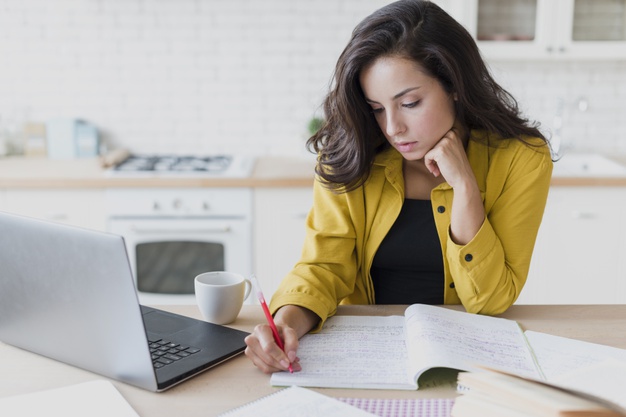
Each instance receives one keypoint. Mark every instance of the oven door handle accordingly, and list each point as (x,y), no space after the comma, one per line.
(150,230)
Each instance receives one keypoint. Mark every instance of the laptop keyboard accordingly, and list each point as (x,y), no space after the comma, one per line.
(165,352)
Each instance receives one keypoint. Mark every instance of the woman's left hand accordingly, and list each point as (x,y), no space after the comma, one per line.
(448,158)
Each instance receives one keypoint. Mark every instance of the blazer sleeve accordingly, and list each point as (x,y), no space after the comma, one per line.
(490,271)
(326,272)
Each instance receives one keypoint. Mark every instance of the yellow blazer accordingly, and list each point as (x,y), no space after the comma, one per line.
(344,230)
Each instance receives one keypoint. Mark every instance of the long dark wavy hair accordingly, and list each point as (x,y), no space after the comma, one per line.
(350,138)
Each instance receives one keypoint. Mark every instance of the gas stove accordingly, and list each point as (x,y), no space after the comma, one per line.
(222,166)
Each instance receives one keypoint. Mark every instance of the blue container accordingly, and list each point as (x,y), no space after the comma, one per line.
(71,138)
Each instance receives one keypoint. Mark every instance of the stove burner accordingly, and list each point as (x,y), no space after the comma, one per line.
(172,163)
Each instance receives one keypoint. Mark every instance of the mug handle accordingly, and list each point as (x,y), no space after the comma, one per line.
(248,288)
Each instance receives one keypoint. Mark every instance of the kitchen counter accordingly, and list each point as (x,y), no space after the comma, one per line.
(18,172)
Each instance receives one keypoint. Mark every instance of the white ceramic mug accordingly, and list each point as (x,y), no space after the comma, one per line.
(220,295)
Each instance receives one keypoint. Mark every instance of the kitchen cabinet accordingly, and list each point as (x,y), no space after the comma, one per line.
(544,29)
(279,218)
(77,207)
(580,250)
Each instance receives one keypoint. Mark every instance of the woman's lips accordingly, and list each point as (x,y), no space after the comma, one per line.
(405,146)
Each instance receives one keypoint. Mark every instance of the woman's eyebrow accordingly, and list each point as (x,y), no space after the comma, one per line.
(397,96)
(403,92)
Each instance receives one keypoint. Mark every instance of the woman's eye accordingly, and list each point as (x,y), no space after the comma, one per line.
(411,105)
(378,110)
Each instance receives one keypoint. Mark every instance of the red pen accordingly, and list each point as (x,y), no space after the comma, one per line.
(268,316)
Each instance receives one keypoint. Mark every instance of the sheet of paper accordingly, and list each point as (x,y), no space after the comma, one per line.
(453,339)
(350,352)
(94,399)
(296,401)
(559,355)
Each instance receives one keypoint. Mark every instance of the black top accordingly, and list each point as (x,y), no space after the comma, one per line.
(408,266)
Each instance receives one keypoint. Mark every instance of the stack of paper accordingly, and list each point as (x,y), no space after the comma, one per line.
(496,394)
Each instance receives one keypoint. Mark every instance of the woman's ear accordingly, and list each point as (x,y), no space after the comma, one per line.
(455,96)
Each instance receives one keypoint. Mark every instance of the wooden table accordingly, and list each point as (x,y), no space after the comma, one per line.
(237,381)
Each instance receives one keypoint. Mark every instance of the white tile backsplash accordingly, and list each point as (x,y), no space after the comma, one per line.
(588,96)
(239,76)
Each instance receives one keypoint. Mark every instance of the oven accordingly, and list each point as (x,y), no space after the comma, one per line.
(174,234)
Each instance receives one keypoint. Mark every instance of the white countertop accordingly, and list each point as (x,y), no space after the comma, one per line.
(39,172)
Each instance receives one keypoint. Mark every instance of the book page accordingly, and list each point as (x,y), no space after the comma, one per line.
(353,352)
(440,337)
(560,355)
(605,380)
(296,401)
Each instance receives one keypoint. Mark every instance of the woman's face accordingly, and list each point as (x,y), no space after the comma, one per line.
(412,108)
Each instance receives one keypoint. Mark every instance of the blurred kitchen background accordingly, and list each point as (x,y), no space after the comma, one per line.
(246,76)
(241,82)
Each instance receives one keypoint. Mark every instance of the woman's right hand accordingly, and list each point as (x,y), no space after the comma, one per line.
(267,355)
(292,323)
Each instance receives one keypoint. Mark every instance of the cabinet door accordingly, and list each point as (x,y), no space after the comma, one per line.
(579,250)
(591,29)
(279,232)
(510,30)
(80,207)
(544,29)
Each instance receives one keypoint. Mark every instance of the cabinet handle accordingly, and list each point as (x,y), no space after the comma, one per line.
(584,215)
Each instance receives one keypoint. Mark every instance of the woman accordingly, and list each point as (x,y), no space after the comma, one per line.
(430,185)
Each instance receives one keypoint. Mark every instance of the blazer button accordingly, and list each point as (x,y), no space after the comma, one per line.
(452,285)
(441,209)
(469,257)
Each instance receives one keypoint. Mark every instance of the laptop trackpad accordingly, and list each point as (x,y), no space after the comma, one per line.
(163,323)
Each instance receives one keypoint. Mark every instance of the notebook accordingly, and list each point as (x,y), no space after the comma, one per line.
(68,293)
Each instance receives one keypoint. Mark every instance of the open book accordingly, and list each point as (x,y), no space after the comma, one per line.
(392,352)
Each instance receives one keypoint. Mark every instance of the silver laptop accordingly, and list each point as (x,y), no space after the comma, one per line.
(68,293)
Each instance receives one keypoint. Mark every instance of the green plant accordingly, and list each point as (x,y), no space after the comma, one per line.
(315,124)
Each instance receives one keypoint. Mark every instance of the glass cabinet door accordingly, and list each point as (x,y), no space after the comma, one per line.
(599,20)
(506,20)
(512,29)
(596,30)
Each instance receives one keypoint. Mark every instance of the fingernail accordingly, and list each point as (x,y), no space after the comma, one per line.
(292,356)
(284,364)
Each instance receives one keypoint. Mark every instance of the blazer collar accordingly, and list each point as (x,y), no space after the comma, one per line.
(478,155)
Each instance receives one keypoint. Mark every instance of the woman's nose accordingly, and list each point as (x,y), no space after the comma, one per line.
(394,124)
